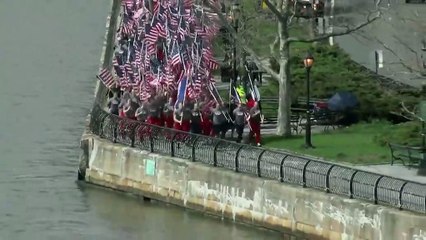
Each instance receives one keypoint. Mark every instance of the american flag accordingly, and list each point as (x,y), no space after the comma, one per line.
(172,41)
(106,78)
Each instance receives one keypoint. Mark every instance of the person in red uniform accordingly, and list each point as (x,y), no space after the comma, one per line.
(168,114)
(250,102)
(207,123)
(186,118)
(154,113)
(129,109)
(254,122)
(177,117)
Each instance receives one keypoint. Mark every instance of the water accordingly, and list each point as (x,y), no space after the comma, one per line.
(49,53)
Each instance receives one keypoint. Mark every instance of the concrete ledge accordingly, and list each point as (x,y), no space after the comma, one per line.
(244,198)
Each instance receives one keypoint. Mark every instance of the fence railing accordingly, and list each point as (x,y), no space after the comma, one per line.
(281,166)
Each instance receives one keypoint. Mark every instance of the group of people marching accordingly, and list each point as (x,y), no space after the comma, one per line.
(201,117)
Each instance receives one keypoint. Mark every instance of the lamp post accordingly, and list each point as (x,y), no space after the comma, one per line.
(235,17)
(308,62)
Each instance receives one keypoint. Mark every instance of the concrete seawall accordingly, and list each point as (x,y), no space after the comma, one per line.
(244,198)
(240,197)
(108,48)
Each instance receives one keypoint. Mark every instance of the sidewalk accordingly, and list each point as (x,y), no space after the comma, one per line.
(396,171)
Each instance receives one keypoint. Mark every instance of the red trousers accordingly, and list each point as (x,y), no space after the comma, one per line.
(207,127)
(255,130)
(177,126)
(184,126)
(162,121)
(153,120)
(168,121)
(121,113)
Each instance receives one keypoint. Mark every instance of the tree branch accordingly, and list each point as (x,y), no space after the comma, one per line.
(346,32)
(411,113)
(336,34)
(275,10)
(243,42)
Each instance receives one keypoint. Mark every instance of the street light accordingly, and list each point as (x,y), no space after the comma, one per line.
(235,11)
(308,62)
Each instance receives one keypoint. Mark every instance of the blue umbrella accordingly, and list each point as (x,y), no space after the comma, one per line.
(342,101)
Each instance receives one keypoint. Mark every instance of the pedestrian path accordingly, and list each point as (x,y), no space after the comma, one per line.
(396,171)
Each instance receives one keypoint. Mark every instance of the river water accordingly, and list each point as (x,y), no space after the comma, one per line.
(49,54)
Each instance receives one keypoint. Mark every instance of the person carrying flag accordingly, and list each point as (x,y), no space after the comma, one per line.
(254,121)
(219,121)
(196,120)
(241,94)
(186,118)
(206,115)
(154,113)
(182,118)
(168,113)
(113,104)
(240,121)
(141,113)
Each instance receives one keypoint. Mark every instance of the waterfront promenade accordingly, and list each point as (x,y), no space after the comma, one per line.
(49,55)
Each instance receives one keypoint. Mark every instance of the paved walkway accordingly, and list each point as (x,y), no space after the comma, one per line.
(396,171)
(398,34)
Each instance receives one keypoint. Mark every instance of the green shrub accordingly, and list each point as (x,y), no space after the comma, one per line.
(334,71)
(404,133)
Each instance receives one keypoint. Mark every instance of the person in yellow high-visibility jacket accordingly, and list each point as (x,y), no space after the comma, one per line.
(241,93)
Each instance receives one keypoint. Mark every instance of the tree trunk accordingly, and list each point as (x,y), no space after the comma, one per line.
(284,107)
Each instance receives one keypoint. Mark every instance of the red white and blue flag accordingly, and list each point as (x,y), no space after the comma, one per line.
(107,78)
(167,39)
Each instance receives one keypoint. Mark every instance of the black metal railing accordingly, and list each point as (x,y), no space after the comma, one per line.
(281,166)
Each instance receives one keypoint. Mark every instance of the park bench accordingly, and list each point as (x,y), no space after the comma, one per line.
(326,118)
(323,117)
(412,155)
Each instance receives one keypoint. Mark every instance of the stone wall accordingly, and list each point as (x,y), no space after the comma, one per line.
(244,198)
(108,48)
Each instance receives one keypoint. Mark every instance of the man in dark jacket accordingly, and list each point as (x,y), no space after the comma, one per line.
(219,121)
(196,120)
(240,121)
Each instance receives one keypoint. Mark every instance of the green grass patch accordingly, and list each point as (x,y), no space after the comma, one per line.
(355,144)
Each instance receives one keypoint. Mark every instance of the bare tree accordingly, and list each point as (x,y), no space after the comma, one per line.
(411,114)
(284,12)
(404,39)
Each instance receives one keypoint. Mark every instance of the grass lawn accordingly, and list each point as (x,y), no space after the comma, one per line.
(356,144)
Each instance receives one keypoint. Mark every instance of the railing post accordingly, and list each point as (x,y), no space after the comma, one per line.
(400,195)
(115,124)
(327,179)
(172,144)
(304,173)
(101,126)
(193,148)
(282,168)
(215,153)
(259,173)
(351,184)
(151,139)
(237,162)
(375,188)
(133,135)
(424,205)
